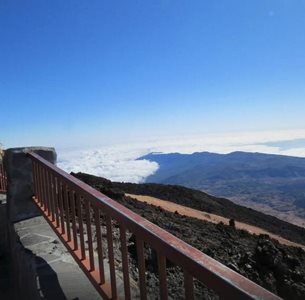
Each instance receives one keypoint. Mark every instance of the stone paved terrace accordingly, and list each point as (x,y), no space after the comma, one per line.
(58,275)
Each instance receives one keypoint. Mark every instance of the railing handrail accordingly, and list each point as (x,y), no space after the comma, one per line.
(224,281)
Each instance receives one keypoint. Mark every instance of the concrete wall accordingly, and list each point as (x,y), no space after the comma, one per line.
(20,180)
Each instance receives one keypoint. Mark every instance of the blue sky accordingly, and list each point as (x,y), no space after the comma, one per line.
(75,72)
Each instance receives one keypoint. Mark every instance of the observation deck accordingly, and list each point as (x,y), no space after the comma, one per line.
(65,240)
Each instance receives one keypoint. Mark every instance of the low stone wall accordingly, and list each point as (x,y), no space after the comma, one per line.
(20,180)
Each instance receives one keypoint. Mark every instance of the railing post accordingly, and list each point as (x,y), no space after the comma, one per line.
(20,181)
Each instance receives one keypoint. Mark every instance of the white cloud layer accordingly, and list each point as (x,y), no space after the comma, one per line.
(119,163)
(114,163)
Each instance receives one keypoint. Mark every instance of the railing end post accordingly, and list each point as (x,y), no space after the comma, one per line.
(20,191)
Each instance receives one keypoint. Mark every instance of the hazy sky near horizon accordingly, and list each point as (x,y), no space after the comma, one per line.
(102,72)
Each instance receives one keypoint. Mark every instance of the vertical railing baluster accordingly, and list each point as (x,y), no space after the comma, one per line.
(52,196)
(37,182)
(56,192)
(42,198)
(74,229)
(81,226)
(34,178)
(111,257)
(48,192)
(45,194)
(67,211)
(61,206)
(162,276)
(39,178)
(38,185)
(125,262)
(44,190)
(141,267)
(188,285)
(89,234)
(97,218)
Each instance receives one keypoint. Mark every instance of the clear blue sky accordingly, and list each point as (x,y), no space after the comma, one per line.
(73,72)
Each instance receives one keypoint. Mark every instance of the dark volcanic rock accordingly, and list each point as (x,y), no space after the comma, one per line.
(201,201)
(278,268)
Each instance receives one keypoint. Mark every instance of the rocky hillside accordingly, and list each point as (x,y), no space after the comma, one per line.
(201,201)
(265,182)
(278,268)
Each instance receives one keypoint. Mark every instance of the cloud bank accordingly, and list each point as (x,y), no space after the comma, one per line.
(114,163)
(119,163)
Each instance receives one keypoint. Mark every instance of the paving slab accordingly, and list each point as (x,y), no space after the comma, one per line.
(59,276)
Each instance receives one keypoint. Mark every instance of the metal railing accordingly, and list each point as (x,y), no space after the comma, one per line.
(76,211)
(3,179)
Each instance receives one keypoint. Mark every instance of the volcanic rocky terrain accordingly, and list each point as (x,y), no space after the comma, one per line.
(278,268)
(265,182)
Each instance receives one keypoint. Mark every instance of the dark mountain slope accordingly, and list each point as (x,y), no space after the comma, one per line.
(278,268)
(236,165)
(276,182)
(201,201)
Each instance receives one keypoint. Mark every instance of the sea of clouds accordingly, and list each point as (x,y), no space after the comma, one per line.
(122,163)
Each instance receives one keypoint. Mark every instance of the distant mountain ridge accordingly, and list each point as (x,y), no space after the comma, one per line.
(271,183)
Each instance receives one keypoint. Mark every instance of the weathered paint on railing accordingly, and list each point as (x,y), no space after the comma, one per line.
(72,208)
(3,179)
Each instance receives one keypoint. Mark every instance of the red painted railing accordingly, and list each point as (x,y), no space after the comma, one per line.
(76,211)
(3,179)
